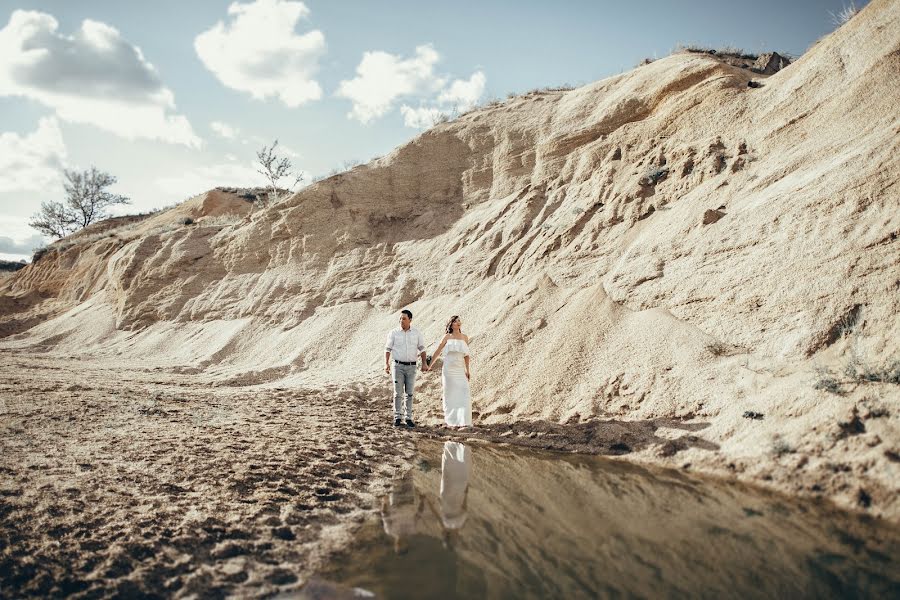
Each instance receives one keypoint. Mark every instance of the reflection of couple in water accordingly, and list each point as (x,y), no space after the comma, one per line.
(403,508)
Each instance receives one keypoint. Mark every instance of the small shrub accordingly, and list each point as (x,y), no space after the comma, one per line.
(863,373)
(718,349)
(735,52)
(115,232)
(724,51)
(275,168)
(780,447)
(845,14)
(828,383)
(845,326)
(857,371)
(39,253)
(186,221)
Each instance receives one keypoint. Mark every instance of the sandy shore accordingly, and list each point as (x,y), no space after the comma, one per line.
(134,479)
(126,482)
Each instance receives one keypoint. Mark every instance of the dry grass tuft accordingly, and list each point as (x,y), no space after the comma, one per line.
(846,13)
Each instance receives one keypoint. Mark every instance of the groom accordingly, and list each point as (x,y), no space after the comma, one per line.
(404,343)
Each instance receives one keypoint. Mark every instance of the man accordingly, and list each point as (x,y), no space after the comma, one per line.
(401,512)
(403,344)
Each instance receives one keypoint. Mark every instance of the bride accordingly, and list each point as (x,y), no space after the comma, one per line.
(455,375)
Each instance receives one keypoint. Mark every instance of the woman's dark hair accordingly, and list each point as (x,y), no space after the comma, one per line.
(407,312)
(451,322)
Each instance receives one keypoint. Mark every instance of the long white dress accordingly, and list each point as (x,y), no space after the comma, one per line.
(456,467)
(457,402)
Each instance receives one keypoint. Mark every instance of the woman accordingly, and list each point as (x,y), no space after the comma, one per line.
(456,467)
(455,375)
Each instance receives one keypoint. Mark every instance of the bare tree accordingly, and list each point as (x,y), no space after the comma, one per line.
(274,169)
(86,202)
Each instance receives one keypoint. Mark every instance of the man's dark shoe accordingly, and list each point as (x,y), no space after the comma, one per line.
(396,422)
(410,424)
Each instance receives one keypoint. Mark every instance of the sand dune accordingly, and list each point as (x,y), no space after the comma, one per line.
(666,244)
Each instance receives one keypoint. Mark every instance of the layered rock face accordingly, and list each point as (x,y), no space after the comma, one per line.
(669,243)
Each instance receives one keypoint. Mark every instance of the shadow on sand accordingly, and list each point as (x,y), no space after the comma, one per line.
(606,437)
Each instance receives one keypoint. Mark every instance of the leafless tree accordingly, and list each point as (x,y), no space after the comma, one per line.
(86,202)
(274,169)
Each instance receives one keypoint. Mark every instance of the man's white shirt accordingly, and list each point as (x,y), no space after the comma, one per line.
(405,346)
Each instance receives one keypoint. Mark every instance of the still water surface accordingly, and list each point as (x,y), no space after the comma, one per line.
(474,521)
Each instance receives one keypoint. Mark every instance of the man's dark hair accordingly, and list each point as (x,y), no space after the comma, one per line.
(406,312)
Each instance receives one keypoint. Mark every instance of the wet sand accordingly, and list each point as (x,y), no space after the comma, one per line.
(132,482)
(139,481)
(479,520)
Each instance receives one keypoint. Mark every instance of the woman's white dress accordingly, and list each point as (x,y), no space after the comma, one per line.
(457,402)
(456,466)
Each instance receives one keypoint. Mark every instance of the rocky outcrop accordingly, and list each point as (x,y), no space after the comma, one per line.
(770,63)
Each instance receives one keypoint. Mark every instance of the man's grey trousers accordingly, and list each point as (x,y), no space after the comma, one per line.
(404,380)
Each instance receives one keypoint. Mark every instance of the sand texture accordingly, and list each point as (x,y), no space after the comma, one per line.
(126,482)
(668,265)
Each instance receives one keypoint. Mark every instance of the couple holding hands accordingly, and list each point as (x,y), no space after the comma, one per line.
(404,344)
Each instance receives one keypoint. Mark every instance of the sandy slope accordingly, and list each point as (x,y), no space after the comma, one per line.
(568,230)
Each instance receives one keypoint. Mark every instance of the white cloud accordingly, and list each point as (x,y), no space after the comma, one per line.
(224,129)
(199,179)
(17,239)
(422,117)
(382,78)
(464,94)
(459,96)
(259,52)
(287,151)
(32,162)
(21,249)
(93,76)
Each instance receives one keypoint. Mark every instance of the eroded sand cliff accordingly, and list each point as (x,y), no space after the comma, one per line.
(644,259)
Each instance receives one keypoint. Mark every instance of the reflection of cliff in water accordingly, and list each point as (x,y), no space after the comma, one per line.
(522,524)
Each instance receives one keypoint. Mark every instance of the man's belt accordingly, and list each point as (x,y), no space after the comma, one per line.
(400,362)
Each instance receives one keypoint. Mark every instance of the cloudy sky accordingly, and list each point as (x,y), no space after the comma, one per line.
(174,97)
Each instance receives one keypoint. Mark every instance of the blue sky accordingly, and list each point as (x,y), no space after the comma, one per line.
(174,98)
